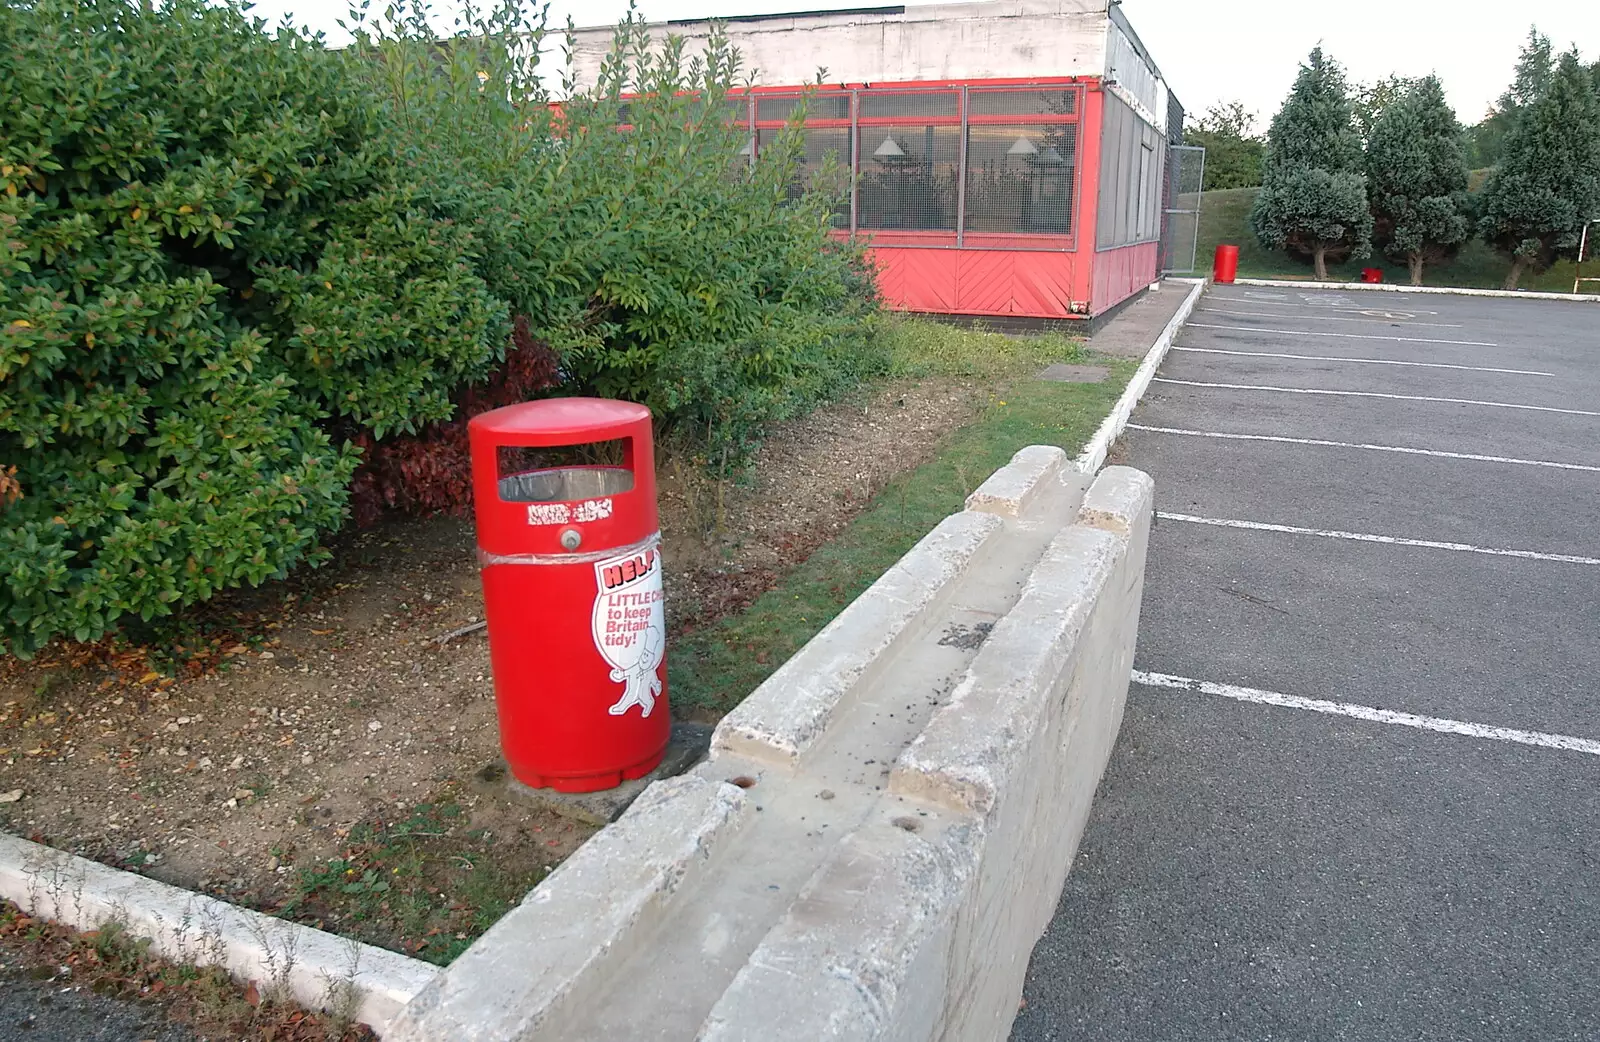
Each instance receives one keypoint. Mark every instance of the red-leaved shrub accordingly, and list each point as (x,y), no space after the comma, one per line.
(431,472)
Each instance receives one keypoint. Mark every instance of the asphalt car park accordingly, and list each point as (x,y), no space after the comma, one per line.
(1357,790)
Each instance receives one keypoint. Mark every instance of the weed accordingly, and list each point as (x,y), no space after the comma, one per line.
(114,962)
(417,884)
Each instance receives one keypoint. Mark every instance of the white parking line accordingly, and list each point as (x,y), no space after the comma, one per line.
(1541,739)
(1347,336)
(1376,394)
(1351,307)
(1330,318)
(1368,537)
(1366,361)
(1358,445)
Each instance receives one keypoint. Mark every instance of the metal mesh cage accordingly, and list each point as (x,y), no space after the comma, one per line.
(1020,178)
(738,110)
(908,178)
(1022,102)
(900,106)
(818,106)
(819,143)
(565,484)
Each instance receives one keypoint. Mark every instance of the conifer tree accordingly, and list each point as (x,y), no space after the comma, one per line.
(1417,179)
(1313,199)
(1548,183)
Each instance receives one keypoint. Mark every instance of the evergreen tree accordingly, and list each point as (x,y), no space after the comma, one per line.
(1417,179)
(1233,151)
(1535,65)
(1313,198)
(1371,99)
(1548,182)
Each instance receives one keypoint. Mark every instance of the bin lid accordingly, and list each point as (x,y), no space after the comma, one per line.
(561,417)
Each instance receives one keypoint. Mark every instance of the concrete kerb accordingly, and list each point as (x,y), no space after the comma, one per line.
(1394,287)
(1094,454)
(314,969)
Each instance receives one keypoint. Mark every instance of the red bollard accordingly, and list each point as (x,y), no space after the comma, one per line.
(571,567)
(1225,265)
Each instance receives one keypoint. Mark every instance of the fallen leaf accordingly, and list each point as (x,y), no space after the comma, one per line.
(252,994)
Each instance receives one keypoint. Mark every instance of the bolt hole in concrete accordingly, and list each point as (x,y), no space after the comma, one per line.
(909,824)
(744,781)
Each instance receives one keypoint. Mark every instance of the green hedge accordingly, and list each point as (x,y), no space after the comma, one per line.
(226,255)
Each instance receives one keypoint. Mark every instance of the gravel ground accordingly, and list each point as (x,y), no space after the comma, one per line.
(47,1011)
(328,702)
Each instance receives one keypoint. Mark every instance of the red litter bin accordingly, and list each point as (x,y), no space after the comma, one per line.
(571,566)
(1225,264)
(1371,274)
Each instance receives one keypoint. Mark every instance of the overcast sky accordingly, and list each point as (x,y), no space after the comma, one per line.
(1219,50)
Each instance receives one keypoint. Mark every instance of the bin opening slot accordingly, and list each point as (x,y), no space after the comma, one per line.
(567,473)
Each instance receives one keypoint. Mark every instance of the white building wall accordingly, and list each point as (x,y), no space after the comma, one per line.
(1134,80)
(988,40)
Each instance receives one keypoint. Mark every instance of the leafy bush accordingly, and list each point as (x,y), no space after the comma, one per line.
(232,262)
(202,274)
(659,264)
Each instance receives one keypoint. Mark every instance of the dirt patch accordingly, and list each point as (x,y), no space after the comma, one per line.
(281,754)
(807,482)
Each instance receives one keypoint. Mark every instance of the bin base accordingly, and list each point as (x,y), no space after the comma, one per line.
(600,807)
(592,782)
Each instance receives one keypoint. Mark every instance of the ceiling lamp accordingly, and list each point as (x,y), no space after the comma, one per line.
(890,148)
(1022,147)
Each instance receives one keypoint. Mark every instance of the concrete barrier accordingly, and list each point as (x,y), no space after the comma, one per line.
(882,829)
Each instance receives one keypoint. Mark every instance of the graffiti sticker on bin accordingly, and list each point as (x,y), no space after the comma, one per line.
(566,513)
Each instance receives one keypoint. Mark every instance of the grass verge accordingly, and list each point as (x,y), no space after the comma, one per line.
(1225,217)
(712,669)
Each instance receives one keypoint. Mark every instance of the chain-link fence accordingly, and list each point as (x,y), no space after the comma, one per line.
(1181,224)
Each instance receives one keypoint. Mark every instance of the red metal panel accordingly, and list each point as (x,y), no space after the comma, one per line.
(930,278)
(1120,273)
(984,282)
(1019,283)
(1041,285)
(891,277)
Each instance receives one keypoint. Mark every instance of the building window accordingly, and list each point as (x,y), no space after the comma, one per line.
(1020,178)
(825,135)
(908,166)
(818,146)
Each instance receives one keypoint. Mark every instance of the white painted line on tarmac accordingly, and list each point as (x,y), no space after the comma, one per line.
(1376,394)
(1353,308)
(1368,537)
(1365,361)
(1348,336)
(1465,728)
(1359,445)
(1357,317)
